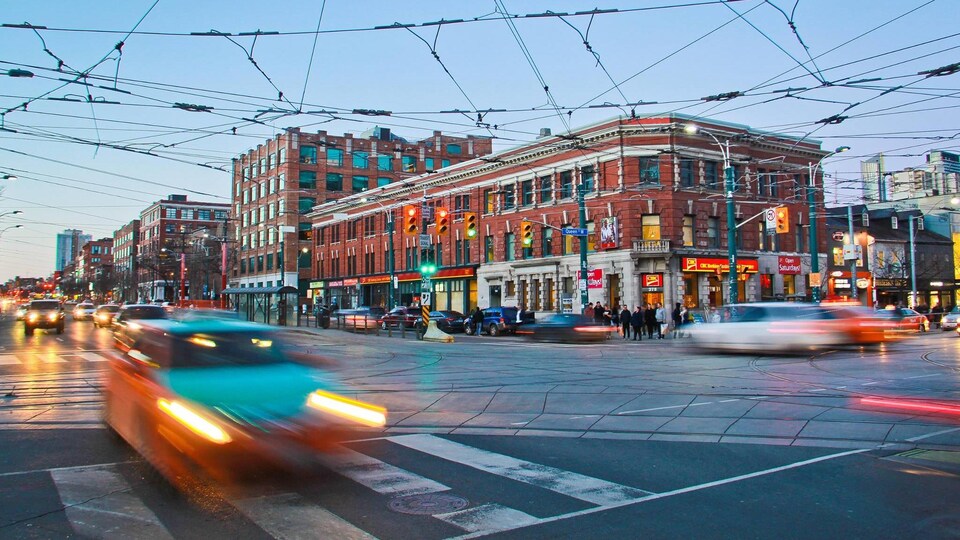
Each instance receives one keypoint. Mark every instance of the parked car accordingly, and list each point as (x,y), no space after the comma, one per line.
(449,322)
(84,311)
(225,396)
(128,322)
(572,327)
(499,320)
(43,314)
(401,316)
(951,319)
(103,316)
(906,319)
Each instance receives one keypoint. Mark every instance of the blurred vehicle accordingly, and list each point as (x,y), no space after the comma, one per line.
(400,316)
(127,322)
(22,311)
(770,327)
(69,306)
(194,314)
(863,325)
(500,320)
(906,319)
(951,319)
(84,311)
(566,327)
(450,322)
(224,396)
(43,314)
(103,316)
(361,317)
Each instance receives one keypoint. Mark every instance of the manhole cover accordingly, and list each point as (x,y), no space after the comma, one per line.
(428,504)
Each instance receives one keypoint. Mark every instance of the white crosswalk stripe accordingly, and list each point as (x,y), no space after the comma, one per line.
(8,359)
(290,516)
(381,477)
(30,358)
(488,518)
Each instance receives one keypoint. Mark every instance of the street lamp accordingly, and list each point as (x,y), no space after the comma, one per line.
(11,213)
(9,177)
(734,292)
(812,212)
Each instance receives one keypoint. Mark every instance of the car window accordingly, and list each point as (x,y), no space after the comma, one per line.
(227,349)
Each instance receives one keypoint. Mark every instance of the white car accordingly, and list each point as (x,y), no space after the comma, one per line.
(771,327)
(951,319)
(84,312)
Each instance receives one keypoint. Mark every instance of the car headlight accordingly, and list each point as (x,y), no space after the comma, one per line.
(357,411)
(194,421)
(52,316)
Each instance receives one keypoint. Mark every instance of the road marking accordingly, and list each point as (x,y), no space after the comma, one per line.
(57,469)
(655,409)
(571,484)
(680,491)
(488,518)
(8,359)
(92,357)
(871,383)
(519,423)
(727,400)
(381,477)
(923,376)
(51,358)
(579,417)
(288,515)
(934,434)
(98,503)
(819,390)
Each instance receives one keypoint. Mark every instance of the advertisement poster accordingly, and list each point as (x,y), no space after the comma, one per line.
(608,233)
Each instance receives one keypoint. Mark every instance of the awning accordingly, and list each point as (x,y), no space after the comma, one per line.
(286,289)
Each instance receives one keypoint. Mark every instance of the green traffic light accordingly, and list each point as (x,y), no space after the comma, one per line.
(527,242)
(471,233)
(427,269)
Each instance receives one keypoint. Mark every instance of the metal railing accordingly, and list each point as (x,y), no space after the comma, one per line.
(651,246)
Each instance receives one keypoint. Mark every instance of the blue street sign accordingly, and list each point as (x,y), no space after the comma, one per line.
(570,231)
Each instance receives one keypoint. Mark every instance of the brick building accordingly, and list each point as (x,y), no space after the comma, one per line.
(126,241)
(652,188)
(276,184)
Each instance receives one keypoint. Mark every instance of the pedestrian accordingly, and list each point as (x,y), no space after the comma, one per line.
(476,321)
(677,321)
(661,316)
(625,322)
(685,319)
(598,313)
(636,321)
(650,320)
(588,311)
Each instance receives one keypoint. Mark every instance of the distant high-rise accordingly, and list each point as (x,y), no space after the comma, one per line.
(874,182)
(69,243)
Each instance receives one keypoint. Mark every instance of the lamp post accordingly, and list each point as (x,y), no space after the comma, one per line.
(812,212)
(582,217)
(913,266)
(729,187)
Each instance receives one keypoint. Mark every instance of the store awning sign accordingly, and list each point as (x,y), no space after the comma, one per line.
(714,265)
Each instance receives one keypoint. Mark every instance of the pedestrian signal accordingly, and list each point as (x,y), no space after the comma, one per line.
(411,219)
(470,225)
(526,233)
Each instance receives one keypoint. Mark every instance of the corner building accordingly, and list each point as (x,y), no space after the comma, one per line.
(656,222)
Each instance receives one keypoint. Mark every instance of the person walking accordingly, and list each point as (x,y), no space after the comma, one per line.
(636,321)
(684,320)
(625,321)
(650,320)
(476,320)
(661,316)
(677,321)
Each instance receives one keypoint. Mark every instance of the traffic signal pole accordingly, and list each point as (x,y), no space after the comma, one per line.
(582,217)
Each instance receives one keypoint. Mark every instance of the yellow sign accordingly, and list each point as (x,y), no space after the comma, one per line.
(814,279)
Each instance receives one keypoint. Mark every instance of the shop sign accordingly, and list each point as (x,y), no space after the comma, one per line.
(338,283)
(788,264)
(316,284)
(714,265)
(890,283)
(863,283)
(652,280)
(352,282)
(841,283)
(374,279)
(594,278)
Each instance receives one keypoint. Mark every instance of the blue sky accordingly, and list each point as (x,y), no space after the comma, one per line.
(674,56)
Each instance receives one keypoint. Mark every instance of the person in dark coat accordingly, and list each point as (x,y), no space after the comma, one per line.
(598,312)
(636,321)
(476,319)
(650,320)
(625,322)
(677,321)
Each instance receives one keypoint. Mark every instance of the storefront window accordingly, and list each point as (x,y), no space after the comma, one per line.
(766,286)
(691,294)
(789,285)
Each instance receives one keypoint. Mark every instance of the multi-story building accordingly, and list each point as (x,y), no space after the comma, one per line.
(95,267)
(874,179)
(277,184)
(125,244)
(167,235)
(654,216)
(69,243)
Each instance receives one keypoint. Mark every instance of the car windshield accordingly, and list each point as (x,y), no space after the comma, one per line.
(108,309)
(47,305)
(145,312)
(213,349)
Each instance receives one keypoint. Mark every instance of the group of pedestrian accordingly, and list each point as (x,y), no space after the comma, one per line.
(650,319)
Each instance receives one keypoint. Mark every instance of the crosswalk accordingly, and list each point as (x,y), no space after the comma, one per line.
(102,501)
(30,358)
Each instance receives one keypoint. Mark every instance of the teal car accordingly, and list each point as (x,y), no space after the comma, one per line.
(225,396)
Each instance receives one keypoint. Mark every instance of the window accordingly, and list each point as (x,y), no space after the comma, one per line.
(686,173)
(408,163)
(453,149)
(384,163)
(546,189)
(334,157)
(308,154)
(220,214)
(650,226)
(774,185)
(444,163)
(270,263)
(526,193)
(308,180)
(566,184)
(361,160)
(360,183)
(710,178)
(762,243)
(334,182)
(263,165)
(383,181)
(271,211)
(509,247)
(509,198)
(586,177)
(305,204)
(281,156)
(204,215)
(428,163)
(461,203)
(466,252)
(688,229)
(546,242)
(170,213)
(649,170)
(352,229)
(713,232)
(272,160)
(186,213)
(894,222)
(762,180)
(488,251)
(488,201)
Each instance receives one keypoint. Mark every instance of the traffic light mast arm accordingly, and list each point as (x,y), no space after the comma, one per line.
(755,216)
(544,224)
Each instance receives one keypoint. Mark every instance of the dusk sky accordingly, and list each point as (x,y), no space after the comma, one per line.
(190,87)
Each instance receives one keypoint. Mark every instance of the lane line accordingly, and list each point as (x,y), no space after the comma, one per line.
(59,469)
(99,503)
(655,409)
(381,477)
(92,356)
(934,434)
(923,376)
(288,516)
(871,383)
(8,359)
(571,484)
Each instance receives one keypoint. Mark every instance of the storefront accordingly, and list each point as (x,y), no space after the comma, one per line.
(707,277)
(342,293)
(651,288)
(840,287)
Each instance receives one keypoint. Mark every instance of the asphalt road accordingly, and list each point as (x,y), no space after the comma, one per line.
(496,437)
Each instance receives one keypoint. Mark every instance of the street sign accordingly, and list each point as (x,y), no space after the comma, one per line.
(571,231)
(427,212)
(424,241)
(838,236)
(425,299)
(425,284)
(770,217)
(852,252)
(582,284)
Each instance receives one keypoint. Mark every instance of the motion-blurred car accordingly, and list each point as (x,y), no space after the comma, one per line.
(906,319)
(502,320)
(43,314)
(770,327)
(84,311)
(224,396)
(951,319)
(400,316)
(22,311)
(566,327)
(863,325)
(103,316)
(127,322)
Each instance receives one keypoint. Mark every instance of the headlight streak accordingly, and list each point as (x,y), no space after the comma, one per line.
(193,421)
(358,411)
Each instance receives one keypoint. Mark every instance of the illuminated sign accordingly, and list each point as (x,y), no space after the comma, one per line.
(788,265)
(709,264)
(652,280)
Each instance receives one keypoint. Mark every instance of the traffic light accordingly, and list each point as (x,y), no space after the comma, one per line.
(783,220)
(411,219)
(526,233)
(442,218)
(470,225)
(427,266)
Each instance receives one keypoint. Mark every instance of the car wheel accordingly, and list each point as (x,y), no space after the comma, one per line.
(468,330)
(493,330)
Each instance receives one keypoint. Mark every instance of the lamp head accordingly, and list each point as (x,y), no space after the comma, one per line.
(691,129)
(841,149)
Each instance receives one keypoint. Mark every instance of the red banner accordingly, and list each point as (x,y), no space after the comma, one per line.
(713,265)
(594,278)
(788,265)
(652,280)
